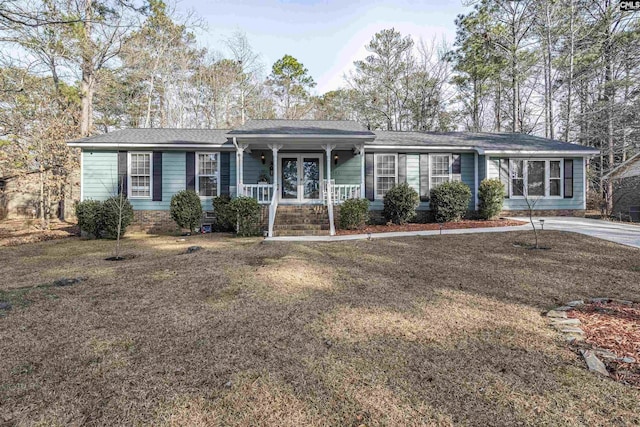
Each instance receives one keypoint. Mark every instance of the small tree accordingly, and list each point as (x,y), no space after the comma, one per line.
(491,196)
(247,214)
(186,209)
(450,201)
(400,204)
(116,215)
(531,202)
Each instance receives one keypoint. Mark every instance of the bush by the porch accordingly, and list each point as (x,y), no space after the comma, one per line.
(186,209)
(400,204)
(246,211)
(225,218)
(491,197)
(449,201)
(354,214)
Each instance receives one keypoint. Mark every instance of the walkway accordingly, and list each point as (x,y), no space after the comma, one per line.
(624,234)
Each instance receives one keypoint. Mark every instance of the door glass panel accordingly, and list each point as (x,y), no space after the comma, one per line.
(311,178)
(289,178)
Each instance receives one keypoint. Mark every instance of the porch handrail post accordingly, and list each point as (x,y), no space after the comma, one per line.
(332,229)
(274,199)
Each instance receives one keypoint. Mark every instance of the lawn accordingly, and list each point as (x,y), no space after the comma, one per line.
(437,330)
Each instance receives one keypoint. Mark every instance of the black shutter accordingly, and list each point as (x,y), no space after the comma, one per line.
(424,177)
(456,164)
(225,173)
(122,172)
(402,168)
(191,170)
(157,176)
(568,178)
(368,173)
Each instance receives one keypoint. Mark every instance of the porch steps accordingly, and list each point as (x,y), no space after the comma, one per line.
(301,221)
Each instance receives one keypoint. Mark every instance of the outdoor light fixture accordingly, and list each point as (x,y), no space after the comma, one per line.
(335,159)
(262,157)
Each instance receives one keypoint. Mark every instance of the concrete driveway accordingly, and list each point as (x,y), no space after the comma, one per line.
(624,234)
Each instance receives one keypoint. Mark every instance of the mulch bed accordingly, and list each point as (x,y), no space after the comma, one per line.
(615,327)
(386,228)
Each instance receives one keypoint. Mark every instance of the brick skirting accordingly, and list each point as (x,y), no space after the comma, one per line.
(546,212)
(153,222)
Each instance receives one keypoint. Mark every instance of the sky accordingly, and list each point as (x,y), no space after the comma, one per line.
(325,35)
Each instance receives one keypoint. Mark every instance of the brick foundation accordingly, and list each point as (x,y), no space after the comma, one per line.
(546,212)
(153,222)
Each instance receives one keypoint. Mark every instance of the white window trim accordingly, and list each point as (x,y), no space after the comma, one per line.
(217,174)
(129,181)
(375,172)
(547,177)
(431,156)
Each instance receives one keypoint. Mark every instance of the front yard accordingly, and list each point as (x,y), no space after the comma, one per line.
(438,330)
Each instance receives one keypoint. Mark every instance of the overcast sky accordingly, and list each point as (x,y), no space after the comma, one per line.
(325,35)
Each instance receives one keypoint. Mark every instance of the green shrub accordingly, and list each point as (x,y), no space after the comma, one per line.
(491,196)
(225,218)
(450,200)
(112,210)
(186,209)
(246,211)
(400,204)
(88,214)
(354,214)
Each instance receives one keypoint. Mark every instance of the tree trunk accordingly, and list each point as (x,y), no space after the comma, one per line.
(87,81)
(570,80)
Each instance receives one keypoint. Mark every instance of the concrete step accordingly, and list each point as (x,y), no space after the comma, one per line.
(300,233)
(301,227)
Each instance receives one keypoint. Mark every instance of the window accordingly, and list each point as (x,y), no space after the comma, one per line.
(386,173)
(207,175)
(440,169)
(140,175)
(535,178)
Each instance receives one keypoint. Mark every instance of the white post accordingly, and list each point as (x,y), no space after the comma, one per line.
(475,183)
(240,167)
(274,150)
(362,174)
(332,229)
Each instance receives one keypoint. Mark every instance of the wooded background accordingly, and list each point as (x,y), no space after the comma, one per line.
(565,70)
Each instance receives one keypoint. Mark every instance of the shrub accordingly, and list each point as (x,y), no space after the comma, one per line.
(400,204)
(449,201)
(186,209)
(88,214)
(225,218)
(246,211)
(112,210)
(354,213)
(491,196)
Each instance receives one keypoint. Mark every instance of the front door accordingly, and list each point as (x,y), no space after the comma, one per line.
(301,178)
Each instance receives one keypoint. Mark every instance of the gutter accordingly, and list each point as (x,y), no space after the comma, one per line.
(147,146)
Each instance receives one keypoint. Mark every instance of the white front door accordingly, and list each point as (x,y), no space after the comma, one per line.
(301,177)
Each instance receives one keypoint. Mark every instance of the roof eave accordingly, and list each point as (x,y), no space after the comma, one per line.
(578,153)
(297,136)
(118,145)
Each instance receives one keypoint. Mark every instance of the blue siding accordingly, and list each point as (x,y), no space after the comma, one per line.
(482,168)
(253,166)
(576,202)
(468,174)
(99,174)
(347,171)
(413,171)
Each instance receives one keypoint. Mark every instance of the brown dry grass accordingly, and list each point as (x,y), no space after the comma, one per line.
(439,330)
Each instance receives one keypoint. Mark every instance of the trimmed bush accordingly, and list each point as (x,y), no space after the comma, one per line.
(246,211)
(450,200)
(491,196)
(111,211)
(186,209)
(225,218)
(400,204)
(88,214)
(354,214)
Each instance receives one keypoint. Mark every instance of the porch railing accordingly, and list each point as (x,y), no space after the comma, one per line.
(263,193)
(341,192)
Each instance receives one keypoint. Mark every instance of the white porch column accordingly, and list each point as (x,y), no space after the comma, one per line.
(475,184)
(362,171)
(328,148)
(274,150)
(240,149)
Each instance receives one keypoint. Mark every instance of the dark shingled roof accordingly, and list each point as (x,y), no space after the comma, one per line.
(485,141)
(302,127)
(159,136)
